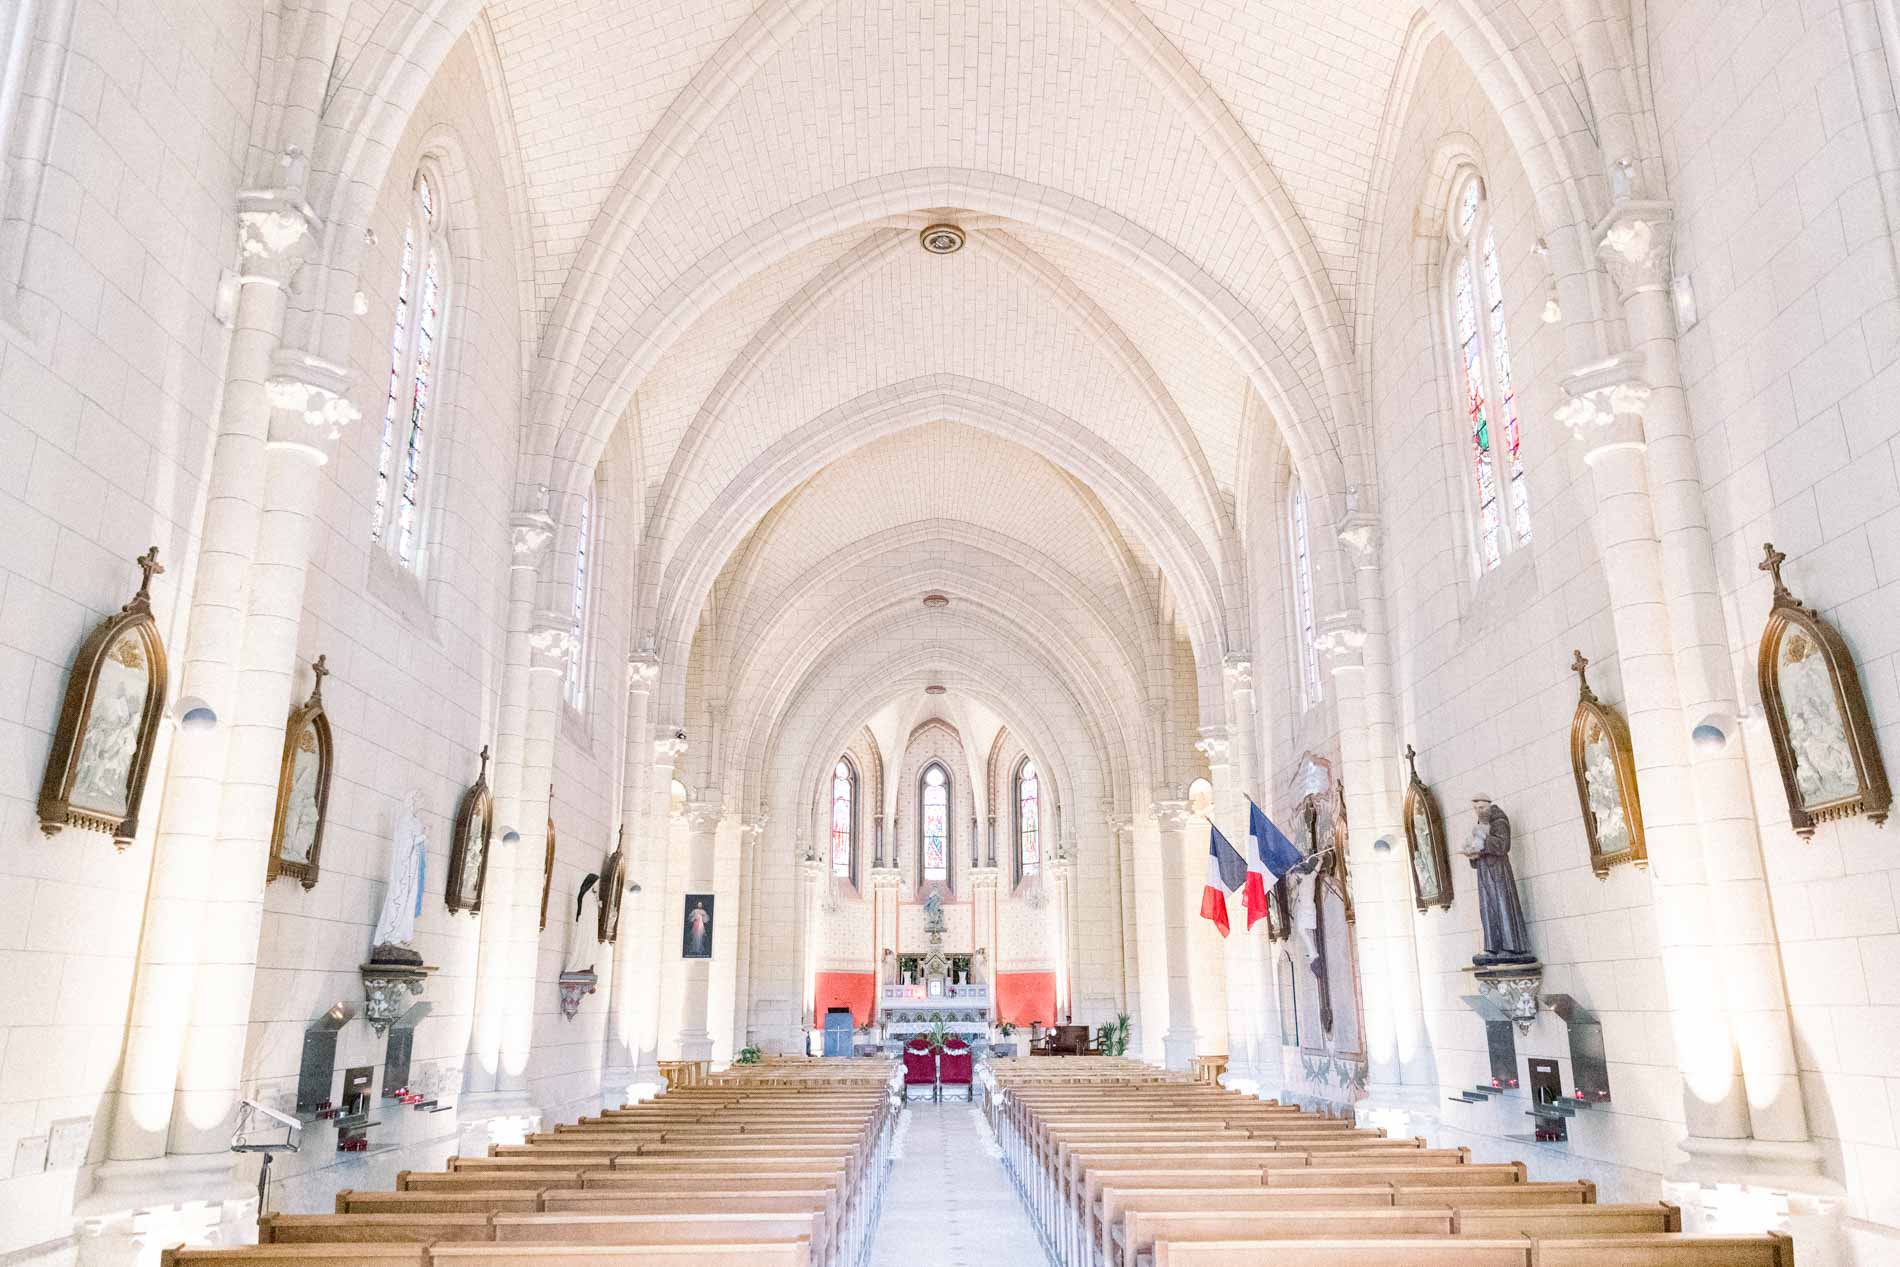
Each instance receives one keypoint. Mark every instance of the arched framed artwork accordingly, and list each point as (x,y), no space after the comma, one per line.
(468,857)
(303,788)
(108,725)
(1824,740)
(1605,770)
(1425,839)
(613,887)
(547,863)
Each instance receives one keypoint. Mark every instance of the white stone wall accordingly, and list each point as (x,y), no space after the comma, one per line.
(110,369)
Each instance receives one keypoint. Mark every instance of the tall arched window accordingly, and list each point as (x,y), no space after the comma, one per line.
(844,820)
(1483,371)
(583,582)
(933,824)
(421,303)
(1028,821)
(1302,560)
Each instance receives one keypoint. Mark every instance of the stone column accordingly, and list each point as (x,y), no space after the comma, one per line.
(1178,1043)
(1636,239)
(531,535)
(172,944)
(652,947)
(1121,846)
(992,842)
(885,881)
(985,896)
(1059,875)
(751,832)
(811,870)
(1242,1001)
(618,1080)
(877,836)
(702,823)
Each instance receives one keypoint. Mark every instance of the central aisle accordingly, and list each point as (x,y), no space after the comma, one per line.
(949,1202)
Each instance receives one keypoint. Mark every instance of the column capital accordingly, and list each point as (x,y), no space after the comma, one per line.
(1215,743)
(752,828)
(276,223)
(530,536)
(1170,815)
(1605,404)
(1341,641)
(643,670)
(311,388)
(668,749)
(704,816)
(1359,533)
(1634,241)
(551,642)
(1237,671)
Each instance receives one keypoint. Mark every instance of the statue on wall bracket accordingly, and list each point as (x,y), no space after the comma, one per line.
(303,788)
(108,725)
(1500,913)
(1605,771)
(1824,740)
(1425,837)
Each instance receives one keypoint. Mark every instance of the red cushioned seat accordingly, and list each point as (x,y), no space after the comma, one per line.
(920,1068)
(956,1067)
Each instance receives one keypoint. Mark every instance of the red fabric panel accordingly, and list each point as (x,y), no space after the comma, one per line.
(956,1068)
(854,990)
(1022,997)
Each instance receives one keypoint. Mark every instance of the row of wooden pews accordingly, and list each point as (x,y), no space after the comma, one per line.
(759,1173)
(1120,1169)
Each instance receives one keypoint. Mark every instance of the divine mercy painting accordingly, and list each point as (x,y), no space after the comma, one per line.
(696,932)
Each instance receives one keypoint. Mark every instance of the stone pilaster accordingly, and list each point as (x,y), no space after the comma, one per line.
(1178,1043)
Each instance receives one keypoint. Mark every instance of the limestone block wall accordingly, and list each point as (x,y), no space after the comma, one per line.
(110,366)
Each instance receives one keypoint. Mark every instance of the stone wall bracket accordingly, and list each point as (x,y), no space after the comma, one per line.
(387,989)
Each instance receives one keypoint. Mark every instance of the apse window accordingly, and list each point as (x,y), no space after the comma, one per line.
(585,544)
(421,301)
(1482,370)
(1028,821)
(933,824)
(1302,558)
(844,821)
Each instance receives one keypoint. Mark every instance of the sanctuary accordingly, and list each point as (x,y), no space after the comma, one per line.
(815,633)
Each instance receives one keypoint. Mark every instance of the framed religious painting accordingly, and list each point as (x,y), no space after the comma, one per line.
(1605,770)
(108,725)
(613,887)
(1425,839)
(468,856)
(547,863)
(696,932)
(303,788)
(1824,740)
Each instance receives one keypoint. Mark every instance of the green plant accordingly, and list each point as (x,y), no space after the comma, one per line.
(938,1033)
(1006,1028)
(748,1055)
(1113,1039)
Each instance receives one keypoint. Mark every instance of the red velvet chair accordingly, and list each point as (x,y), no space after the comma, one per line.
(920,1067)
(956,1067)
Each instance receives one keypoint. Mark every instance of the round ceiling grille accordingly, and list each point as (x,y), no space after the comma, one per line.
(936,600)
(942,239)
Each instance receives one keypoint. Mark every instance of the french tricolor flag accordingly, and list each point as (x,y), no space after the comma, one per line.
(1269,853)
(1226,872)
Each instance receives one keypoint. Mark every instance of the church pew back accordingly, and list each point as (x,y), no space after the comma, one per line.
(729,1254)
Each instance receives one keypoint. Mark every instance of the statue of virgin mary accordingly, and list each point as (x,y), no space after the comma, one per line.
(402,900)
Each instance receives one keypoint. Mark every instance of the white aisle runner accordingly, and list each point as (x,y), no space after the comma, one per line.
(949,1202)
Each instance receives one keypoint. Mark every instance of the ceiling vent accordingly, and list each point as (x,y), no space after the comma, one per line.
(942,239)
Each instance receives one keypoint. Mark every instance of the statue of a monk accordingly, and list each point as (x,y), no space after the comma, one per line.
(1506,940)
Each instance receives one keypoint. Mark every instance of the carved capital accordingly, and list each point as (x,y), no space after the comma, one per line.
(275,224)
(1341,642)
(313,388)
(1237,670)
(1170,815)
(552,641)
(1606,403)
(531,534)
(704,816)
(751,828)
(1359,533)
(1635,241)
(668,750)
(643,670)
(1214,744)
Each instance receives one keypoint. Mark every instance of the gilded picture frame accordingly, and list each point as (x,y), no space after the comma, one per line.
(547,864)
(474,832)
(108,725)
(1605,771)
(1429,852)
(1817,715)
(613,887)
(303,788)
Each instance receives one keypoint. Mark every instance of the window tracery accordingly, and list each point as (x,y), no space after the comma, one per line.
(1028,821)
(1483,370)
(844,820)
(420,304)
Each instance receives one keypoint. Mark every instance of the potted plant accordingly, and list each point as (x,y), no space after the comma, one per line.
(1007,1030)
(748,1055)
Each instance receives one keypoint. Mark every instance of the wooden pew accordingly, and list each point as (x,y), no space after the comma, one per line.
(1655,1250)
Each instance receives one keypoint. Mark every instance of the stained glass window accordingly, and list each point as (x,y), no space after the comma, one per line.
(1303,595)
(934,823)
(844,820)
(583,551)
(1500,488)
(1028,820)
(396,517)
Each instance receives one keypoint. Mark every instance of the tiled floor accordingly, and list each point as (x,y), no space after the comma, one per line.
(950,1202)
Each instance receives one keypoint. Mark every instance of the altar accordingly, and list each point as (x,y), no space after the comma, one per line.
(938,990)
